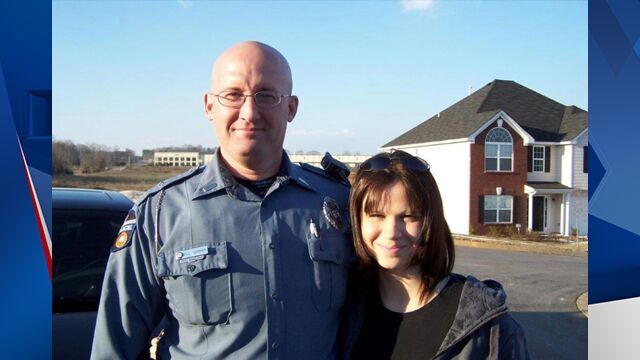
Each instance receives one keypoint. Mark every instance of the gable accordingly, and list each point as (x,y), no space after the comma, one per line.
(544,119)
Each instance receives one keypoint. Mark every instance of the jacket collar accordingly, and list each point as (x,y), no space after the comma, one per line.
(216,176)
(480,302)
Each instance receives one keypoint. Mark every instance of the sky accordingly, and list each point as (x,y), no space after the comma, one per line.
(131,75)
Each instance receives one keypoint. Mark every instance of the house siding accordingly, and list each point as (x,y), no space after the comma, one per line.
(555,157)
(485,183)
(578,213)
(449,167)
(566,174)
(580,179)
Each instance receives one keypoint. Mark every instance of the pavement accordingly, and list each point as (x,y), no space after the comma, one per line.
(565,248)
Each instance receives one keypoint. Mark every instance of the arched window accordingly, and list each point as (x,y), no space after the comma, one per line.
(498,150)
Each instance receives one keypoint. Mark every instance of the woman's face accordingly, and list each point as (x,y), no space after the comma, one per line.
(392,231)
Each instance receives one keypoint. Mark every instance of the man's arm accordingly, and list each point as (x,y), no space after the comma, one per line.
(131,300)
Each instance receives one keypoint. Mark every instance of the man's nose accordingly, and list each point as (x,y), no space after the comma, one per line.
(249,109)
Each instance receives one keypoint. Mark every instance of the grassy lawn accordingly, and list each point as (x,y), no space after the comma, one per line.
(135,178)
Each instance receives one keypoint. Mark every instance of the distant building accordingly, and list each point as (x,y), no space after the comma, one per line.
(352,161)
(147,154)
(176,158)
(194,159)
(122,158)
(206,158)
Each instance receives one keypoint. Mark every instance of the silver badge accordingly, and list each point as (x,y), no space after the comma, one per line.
(332,213)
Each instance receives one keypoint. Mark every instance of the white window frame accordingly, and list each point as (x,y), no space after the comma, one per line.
(497,209)
(498,156)
(540,160)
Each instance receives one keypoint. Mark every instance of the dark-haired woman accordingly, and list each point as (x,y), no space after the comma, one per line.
(405,301)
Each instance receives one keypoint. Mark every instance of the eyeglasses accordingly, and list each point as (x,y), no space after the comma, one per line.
(385,160)
(236,99)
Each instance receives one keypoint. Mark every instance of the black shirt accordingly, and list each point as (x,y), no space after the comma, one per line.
(413,335)
(258,187)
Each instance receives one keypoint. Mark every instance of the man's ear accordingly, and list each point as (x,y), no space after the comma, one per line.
(293,108)
(208,104)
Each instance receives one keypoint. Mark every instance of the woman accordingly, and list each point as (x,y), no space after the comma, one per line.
(405,303)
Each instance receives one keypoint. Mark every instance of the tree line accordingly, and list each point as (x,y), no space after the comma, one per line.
(88,158)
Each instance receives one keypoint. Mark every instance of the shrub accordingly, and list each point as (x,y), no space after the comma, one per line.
(494,231)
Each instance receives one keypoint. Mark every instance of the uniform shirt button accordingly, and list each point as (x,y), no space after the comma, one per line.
(191,268)
(274,296)
(272,246)
(274,346)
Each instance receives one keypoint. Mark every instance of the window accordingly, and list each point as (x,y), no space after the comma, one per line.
(538,159)
(498,150)
(82,239)
(497,208)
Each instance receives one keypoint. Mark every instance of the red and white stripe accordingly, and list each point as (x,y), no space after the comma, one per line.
(45,238)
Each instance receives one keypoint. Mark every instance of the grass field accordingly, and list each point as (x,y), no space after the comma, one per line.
(139,178)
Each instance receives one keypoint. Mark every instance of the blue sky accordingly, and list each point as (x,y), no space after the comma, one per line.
(132,74)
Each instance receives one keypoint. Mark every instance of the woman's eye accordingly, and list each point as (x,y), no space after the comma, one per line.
(375,215)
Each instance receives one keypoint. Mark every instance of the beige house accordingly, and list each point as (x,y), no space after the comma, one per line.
(176,158)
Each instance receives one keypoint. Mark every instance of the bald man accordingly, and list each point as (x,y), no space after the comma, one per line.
(245,257)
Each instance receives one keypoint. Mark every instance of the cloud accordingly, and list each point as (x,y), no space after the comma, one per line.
(342,133)
(185,3)
(417,5)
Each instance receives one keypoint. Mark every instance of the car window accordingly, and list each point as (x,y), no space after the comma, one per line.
(81,243)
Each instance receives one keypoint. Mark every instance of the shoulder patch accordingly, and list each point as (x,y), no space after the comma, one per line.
(126,232)
(319,171)
(168,182)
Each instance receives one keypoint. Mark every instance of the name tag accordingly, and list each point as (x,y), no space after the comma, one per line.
(192,254)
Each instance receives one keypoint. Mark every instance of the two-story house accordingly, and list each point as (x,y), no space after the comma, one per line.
(506,156)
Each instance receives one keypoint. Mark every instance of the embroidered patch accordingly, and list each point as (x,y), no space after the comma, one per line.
(331,212)
(121,240)
(126,232)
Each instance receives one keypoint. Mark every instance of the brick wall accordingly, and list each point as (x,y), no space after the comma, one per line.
(485,183)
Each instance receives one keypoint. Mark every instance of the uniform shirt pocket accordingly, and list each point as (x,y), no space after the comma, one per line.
(198,283)
(331,254)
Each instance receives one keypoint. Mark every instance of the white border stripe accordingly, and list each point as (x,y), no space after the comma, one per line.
(37,202)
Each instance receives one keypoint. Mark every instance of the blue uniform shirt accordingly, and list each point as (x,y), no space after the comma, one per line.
(235,275)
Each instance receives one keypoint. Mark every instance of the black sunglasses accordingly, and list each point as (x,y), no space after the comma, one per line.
(385,160)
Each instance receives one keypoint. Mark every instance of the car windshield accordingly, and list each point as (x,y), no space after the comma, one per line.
(81,243)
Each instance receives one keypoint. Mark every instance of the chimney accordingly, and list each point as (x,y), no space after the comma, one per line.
(469,90)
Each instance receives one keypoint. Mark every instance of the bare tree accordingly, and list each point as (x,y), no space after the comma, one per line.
(94,158)
(64,155)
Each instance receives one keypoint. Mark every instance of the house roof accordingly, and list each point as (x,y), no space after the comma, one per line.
(547,185)
(543,118)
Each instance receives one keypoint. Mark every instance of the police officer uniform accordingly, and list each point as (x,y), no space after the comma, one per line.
(236,275)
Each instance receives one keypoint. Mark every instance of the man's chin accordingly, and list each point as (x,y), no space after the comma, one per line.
(251,151)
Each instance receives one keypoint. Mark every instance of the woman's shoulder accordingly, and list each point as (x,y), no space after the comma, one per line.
(482,311)
(481,296)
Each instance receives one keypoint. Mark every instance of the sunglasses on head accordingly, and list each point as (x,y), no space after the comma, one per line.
(385,160)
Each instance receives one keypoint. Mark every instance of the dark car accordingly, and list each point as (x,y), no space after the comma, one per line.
(85,225)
